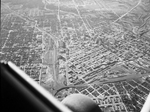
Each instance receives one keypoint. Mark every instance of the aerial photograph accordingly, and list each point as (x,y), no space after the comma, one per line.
(99,48)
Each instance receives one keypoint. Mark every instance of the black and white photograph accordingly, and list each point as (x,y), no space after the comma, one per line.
(97,49)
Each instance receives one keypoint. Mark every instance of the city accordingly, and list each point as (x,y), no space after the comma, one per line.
(100,48)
